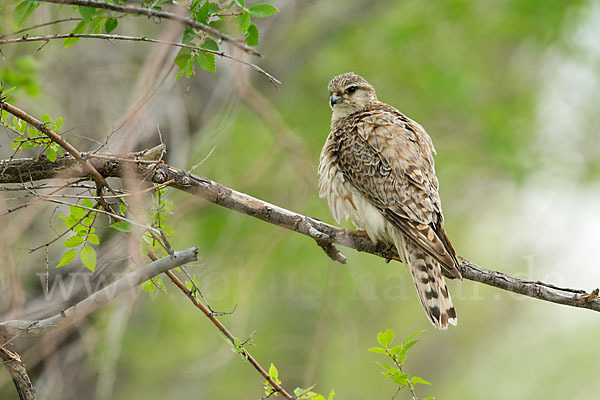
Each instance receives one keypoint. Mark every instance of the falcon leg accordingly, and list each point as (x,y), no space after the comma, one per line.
(359,233)
(388,251)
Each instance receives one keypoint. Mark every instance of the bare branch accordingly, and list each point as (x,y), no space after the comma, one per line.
(160,14)
(325,234)
(222,54)
(58,21)
(90,304)
(16,369)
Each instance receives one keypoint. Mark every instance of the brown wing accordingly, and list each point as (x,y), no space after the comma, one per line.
(388,158)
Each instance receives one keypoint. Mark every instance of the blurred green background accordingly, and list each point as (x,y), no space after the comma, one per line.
(508,90)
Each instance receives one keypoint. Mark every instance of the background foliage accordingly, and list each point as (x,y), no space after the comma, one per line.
(507,90)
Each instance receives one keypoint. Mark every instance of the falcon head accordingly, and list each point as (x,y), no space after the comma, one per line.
(350,93)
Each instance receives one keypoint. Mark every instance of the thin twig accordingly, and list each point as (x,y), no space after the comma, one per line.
(221,53)
(60,235)
(58,21)
(118,218)
(160,14)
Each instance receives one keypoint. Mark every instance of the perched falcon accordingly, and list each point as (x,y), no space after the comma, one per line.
(377,169)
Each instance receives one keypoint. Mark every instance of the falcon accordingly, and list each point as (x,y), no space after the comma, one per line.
(376,168)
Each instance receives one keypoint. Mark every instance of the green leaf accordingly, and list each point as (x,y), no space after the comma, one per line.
(96,24)
(430,398)
(22,126)
(93,239)
(378,350)
(202,14)
(148,286)
(385,338)
(79,28)
(400,379)
(88,257)
(416,379)
(273,373)
(24,10)
(122,226)
(67,258)
(73,241)
(69,221)
(412,336)
(213,9)
(331,395)
(252,35)
(7,91)
(51,154)
(244,21)
(262,10)
(183,60)
(396,349)
(205,61)
(409,345)
(240,3)
(195,4)
(87,203)
(87,13)
(299,391)
(110,25)
(389,368)
(210,45)
(58,124)
(401,357)
(160,283)
(77,212)
(188,37)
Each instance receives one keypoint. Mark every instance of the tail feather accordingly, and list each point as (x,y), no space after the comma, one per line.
(426,272)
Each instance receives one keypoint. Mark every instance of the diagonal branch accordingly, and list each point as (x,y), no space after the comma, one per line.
(326,235)
(159,14)
(16,369)
(55,137)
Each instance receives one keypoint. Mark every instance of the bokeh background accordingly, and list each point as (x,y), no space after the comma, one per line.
(509,92)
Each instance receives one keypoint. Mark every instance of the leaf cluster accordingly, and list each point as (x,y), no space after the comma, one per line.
(28,137)
(233,18)
(80,221)
(397,354)
(301,394)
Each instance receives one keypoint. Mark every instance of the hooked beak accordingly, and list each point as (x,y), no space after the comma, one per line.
(333,100)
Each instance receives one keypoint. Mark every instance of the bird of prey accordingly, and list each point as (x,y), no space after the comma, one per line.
(376,168)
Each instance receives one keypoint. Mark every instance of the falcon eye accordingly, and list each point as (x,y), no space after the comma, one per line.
(351,89)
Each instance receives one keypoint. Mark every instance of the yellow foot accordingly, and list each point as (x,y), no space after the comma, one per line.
(360,233)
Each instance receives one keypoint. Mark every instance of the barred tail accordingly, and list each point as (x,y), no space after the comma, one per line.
(426,272)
